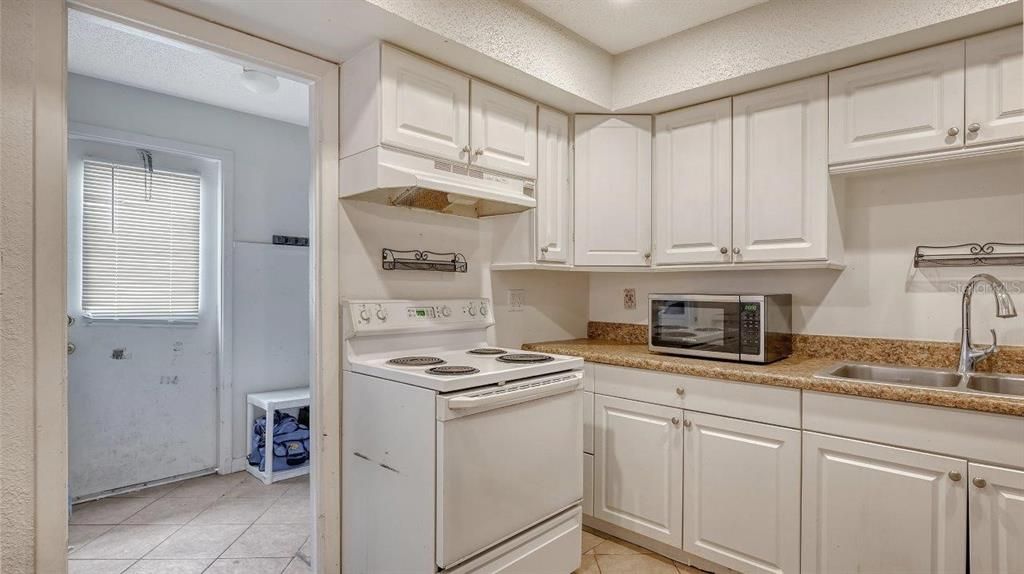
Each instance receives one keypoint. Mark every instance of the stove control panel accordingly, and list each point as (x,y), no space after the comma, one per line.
(378,316)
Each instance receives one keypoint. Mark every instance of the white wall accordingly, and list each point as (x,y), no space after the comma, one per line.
(879,294)
(271,174)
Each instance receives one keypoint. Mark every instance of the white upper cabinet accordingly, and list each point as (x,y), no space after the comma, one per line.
(781,194)
(875,508)
(741,494)
(503,131)
(995,87)
(425,106)
(638,468)
(693,185)
(612,202)
(554,194)
(996,519)
(902,105)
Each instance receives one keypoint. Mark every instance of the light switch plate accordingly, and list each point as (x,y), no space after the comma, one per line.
(516,300)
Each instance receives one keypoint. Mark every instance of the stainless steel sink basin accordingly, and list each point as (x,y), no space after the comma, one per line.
(1000,384)
(894,375)
(980,383)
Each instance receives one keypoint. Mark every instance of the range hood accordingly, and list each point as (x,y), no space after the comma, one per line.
(393,177)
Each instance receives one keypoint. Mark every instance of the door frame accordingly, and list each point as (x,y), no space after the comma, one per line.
(323,78)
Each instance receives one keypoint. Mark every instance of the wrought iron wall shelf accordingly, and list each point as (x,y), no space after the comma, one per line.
(969,255)
(416,260)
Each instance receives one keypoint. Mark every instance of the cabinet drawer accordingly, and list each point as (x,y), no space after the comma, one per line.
(761,403)
(588,422)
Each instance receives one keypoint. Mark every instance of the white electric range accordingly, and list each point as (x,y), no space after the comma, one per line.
(458,456)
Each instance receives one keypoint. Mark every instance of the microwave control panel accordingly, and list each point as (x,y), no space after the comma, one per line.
(750,328)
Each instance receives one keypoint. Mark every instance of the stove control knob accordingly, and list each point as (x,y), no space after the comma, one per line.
(471,310)
(483,309)
(382,313)
(446,311)
(364,315)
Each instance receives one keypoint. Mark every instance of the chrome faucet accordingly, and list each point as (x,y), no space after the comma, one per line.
(969,356)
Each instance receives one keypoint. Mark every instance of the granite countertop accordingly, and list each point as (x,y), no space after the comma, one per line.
(794,372)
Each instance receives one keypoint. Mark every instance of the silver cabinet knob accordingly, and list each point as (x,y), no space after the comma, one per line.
(675,420)
(479,151)
(724,250)
(973,128)
(953,131)
(980,482)
(687,423)
(647,255)
(680,391)
(466,149)
(71,348)
(544,249)
(954,476)
(736,250)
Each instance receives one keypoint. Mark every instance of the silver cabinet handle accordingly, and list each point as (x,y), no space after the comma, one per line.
(980,482)
(736,250)
(680,391)
(675,421)
(724,250)
(973,128)
(953,131)
(954,476)
(687,423)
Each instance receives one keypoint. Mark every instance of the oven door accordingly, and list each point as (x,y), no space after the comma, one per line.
(508,458)
(695,325)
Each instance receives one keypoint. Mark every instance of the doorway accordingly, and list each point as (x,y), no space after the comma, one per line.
(189,294)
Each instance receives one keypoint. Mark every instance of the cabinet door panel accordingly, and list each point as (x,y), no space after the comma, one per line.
(693,184)
(781,192)
(995,86)
(875,508)
(588,422)
(612,199)
(554,196)
(997,520)
(638,468)
(503,131)
(424,106)
(742,469)
(900,105)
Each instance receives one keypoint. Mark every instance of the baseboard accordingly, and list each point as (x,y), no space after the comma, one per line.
(239,464)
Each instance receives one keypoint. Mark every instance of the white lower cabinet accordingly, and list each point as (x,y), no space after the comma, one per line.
(588,484)
(638,468)
(741,494)
(875,508)
(996,519)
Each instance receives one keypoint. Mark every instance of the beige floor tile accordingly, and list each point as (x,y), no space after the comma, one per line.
(617,546)
(635,564)
(684,569)
(588,566)
(304,552)
(198,542)
(124,542)
(298,566)
(169,567)
(234,511)
(209,485)
(268,541)
(248,566)
(252,487)
(590,541)
(287,511)
(297,490)
(81,534)
(98,566)
(171,511)
(158,491)
(107,511)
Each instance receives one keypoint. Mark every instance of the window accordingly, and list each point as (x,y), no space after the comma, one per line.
(140,243)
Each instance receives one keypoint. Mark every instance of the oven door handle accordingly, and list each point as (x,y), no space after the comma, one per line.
(558,386)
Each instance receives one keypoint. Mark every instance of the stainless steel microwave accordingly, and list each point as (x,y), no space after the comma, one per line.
(748,328)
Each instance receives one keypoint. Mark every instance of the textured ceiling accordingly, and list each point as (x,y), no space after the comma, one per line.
(621,25)
(108,51)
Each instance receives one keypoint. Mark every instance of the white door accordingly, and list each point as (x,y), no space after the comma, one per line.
(424,106)
(741,494)
(875,508)
(995,87)
(693,184)
(780,173)
(612,200)
(503,132)
(905,104)
(638,468)
(997,519)
(554,196)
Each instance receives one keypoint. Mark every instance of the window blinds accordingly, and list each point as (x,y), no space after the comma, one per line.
(140,243)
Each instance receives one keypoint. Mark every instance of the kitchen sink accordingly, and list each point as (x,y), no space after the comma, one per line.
(1000,384)
(981,383)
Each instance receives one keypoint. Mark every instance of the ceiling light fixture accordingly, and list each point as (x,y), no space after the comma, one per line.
(259,82)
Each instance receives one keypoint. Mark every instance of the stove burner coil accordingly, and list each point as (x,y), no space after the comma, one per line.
(487,351)
(415,361)
(452,370)
(525,358)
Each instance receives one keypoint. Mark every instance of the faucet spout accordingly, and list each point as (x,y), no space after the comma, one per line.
(969,356)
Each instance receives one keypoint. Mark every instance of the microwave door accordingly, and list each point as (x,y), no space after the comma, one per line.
(702,326)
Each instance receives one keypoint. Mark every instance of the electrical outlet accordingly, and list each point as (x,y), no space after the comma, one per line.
(629,298)
(516,300)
